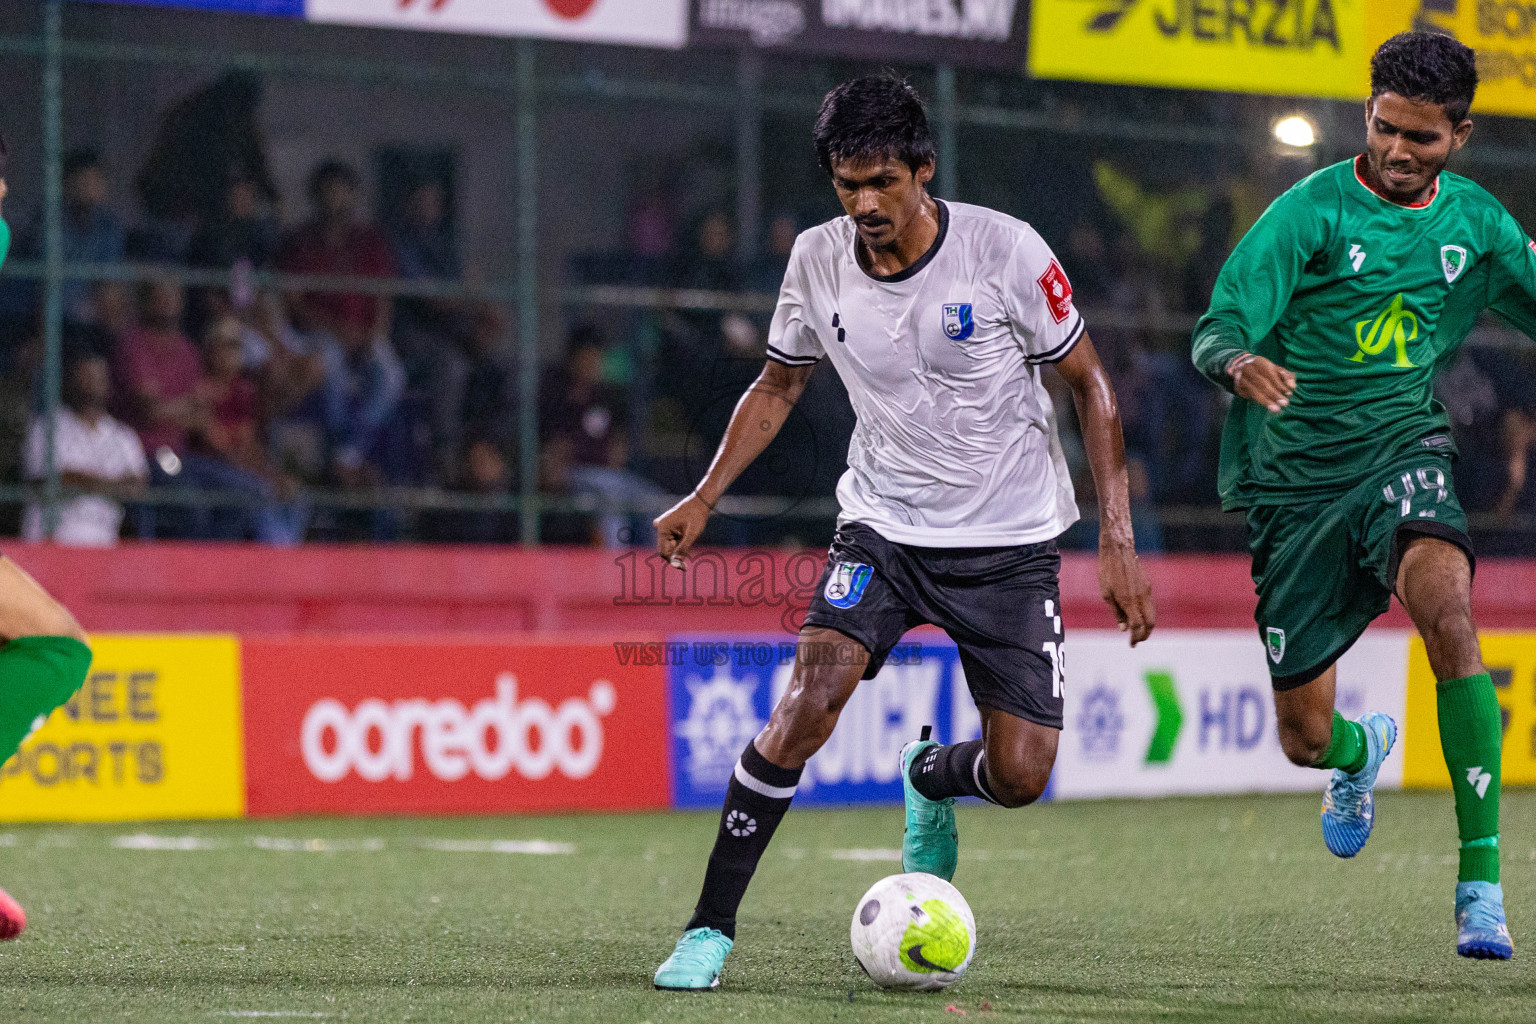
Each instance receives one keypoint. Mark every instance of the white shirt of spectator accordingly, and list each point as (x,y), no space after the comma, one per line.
(956,442)
(109,450)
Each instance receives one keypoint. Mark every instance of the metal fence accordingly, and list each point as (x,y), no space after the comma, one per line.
(965,105)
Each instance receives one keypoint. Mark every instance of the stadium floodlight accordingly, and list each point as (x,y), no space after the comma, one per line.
(1297,130)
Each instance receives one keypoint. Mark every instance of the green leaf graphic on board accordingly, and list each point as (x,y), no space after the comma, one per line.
(1170,717)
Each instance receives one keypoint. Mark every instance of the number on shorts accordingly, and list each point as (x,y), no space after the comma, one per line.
(1054,649)
(1431,478)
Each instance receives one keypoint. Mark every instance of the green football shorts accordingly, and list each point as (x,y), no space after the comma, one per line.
(1324,569)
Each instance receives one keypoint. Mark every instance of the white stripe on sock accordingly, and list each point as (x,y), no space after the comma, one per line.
(757,785)
(981,786)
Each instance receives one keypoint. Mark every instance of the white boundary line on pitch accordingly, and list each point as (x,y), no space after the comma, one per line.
(288,844)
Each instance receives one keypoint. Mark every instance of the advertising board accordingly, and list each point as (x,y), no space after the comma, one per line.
(278,8)
(984,32)
(635,22)
(1294,47)
(723,687)
(1191,711)
(1511,661)
(443,726)
(153,733)
(1502,32)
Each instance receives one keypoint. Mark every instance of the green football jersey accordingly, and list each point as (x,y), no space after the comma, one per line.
(5,240)
(1362,299)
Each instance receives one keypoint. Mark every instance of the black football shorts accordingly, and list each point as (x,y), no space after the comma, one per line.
(1001,606)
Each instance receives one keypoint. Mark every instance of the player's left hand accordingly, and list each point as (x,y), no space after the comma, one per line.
(1123,584)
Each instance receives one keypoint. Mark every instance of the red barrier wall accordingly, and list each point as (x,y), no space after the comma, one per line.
(250,589)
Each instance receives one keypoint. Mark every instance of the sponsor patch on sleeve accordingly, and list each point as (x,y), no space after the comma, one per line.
(1058,291)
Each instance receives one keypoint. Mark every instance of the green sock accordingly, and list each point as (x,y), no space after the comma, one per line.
(37,674)
(1471,736)
(1347,749)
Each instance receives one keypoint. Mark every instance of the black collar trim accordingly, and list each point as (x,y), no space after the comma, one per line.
(920,263)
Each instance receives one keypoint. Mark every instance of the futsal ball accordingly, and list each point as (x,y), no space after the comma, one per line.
(913,931)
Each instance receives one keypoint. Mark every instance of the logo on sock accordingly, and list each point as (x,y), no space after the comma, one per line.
(740,825)
(1479,780)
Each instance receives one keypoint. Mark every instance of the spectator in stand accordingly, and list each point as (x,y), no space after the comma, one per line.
(489,418)
(712,265)
(227,453)
(364,376)
(93,233)
(245,231)
(159,370)
(767,274)
(334,243)
(585,452)
(430,334)
(242,238)
(112,310)
(360,391)
(96,455)
(488,412)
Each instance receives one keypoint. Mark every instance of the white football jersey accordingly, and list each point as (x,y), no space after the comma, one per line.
(956,440)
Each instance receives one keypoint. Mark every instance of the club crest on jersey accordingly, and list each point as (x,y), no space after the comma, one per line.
(845,587)
(1453,260)
(958,324)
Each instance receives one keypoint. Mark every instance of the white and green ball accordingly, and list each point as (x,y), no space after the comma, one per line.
(913,931)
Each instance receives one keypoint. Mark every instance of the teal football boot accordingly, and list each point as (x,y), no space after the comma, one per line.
(695,963)
(930,841)
(1480,929)
(1349,804)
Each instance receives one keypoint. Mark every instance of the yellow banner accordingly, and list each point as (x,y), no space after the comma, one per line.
(155,732)
(1291,47)
(1503,32)
(1285,47)
(1511,660)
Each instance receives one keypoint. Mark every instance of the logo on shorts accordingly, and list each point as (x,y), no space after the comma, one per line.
(958,324)
(845,587)
(1275,640)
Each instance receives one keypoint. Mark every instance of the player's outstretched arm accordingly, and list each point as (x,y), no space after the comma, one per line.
(755,422)
(1121,578)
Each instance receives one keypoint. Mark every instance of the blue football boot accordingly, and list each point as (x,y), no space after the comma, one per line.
(930,841)
(695,963)
(1480,929)
(1349,807)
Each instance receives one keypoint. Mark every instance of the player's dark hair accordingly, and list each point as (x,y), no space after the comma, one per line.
(5,156)
(329,171)
(1427,67)
(873,118)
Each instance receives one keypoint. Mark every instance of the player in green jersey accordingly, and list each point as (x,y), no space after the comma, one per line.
(43,653)
(1328,323)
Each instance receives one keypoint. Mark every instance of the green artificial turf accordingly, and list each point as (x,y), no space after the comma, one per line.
(1222,909)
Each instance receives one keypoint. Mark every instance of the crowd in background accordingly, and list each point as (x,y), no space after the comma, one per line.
(246,404)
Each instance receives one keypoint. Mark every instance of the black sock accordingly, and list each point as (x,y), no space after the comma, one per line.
(959,769)
(755,802)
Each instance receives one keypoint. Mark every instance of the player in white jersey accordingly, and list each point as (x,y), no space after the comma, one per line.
(937,317)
